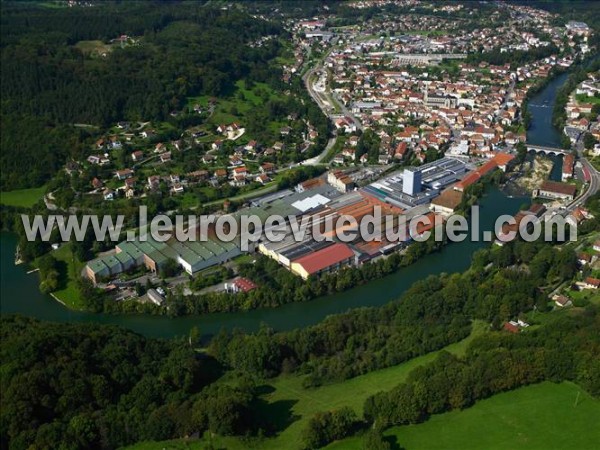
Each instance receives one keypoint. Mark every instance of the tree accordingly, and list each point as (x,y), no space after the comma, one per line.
(589,141)
(374,440)
(194,338)
(170,268)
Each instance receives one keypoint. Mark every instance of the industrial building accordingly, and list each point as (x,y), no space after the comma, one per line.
(327,259)
(556,190)
(192,256)
(417,186)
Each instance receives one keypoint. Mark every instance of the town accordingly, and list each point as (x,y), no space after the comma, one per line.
(326,224)
(415,124)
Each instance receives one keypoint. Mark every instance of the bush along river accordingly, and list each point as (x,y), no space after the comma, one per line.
(19,292)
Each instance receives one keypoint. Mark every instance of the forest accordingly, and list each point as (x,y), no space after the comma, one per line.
(48,84)
(97,386)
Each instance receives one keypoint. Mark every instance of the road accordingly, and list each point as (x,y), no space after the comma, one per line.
(316,160)
(593,186)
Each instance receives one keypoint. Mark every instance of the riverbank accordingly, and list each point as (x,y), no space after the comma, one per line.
(20,293)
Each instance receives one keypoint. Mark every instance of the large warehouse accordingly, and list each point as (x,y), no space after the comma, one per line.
(191,256)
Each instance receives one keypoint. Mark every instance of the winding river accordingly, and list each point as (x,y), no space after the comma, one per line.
(19,291)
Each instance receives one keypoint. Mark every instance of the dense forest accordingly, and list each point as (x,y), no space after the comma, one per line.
(173,51)
(95,386)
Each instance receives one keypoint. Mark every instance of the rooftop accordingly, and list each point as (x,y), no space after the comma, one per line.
(558,187)
(325,258)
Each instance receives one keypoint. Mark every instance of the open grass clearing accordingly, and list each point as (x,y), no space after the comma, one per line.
(544,416)
(25,198)
(69,294)
(289,401)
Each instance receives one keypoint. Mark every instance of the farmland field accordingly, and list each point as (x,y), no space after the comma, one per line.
(25,198)
(294,405)
(544,416)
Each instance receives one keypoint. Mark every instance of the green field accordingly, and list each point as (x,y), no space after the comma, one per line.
(290,402)
(69,294)
(545,416)
(93,47)
(25,198)
(237,106)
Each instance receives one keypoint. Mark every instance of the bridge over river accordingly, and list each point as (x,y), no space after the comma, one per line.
(549,151)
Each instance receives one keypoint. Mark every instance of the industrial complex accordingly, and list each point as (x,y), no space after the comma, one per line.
(432,190)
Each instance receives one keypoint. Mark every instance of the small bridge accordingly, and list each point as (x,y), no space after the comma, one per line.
(548,151)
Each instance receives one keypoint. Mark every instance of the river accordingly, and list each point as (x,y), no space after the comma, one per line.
(541,131)
(19,291)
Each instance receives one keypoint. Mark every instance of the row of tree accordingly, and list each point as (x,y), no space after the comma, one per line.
(430,315)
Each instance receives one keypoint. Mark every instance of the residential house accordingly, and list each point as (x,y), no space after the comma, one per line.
(262,178)
(591,283)
(137,155)
(148,134)
(123,174)
(562,302)
(108,194)
(340,180)
(153,182)
(220,174)
(208,158)
(267,168)
(97,183)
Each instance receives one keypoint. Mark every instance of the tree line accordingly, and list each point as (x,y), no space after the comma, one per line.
(432,314)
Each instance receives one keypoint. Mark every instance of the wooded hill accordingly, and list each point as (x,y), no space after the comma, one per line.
(160,54)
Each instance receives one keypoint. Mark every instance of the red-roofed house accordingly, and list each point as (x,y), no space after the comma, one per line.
(324,260)
(567,168)
(592,283)
(512,327)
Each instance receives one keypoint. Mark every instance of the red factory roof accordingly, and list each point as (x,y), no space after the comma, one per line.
(502,159)
(244,284)
(327,257)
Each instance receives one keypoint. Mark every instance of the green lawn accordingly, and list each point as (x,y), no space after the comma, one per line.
(291,401)
(93,47)
(69,294)
(239,105)
(544,416)
(582,98)
(25,198)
